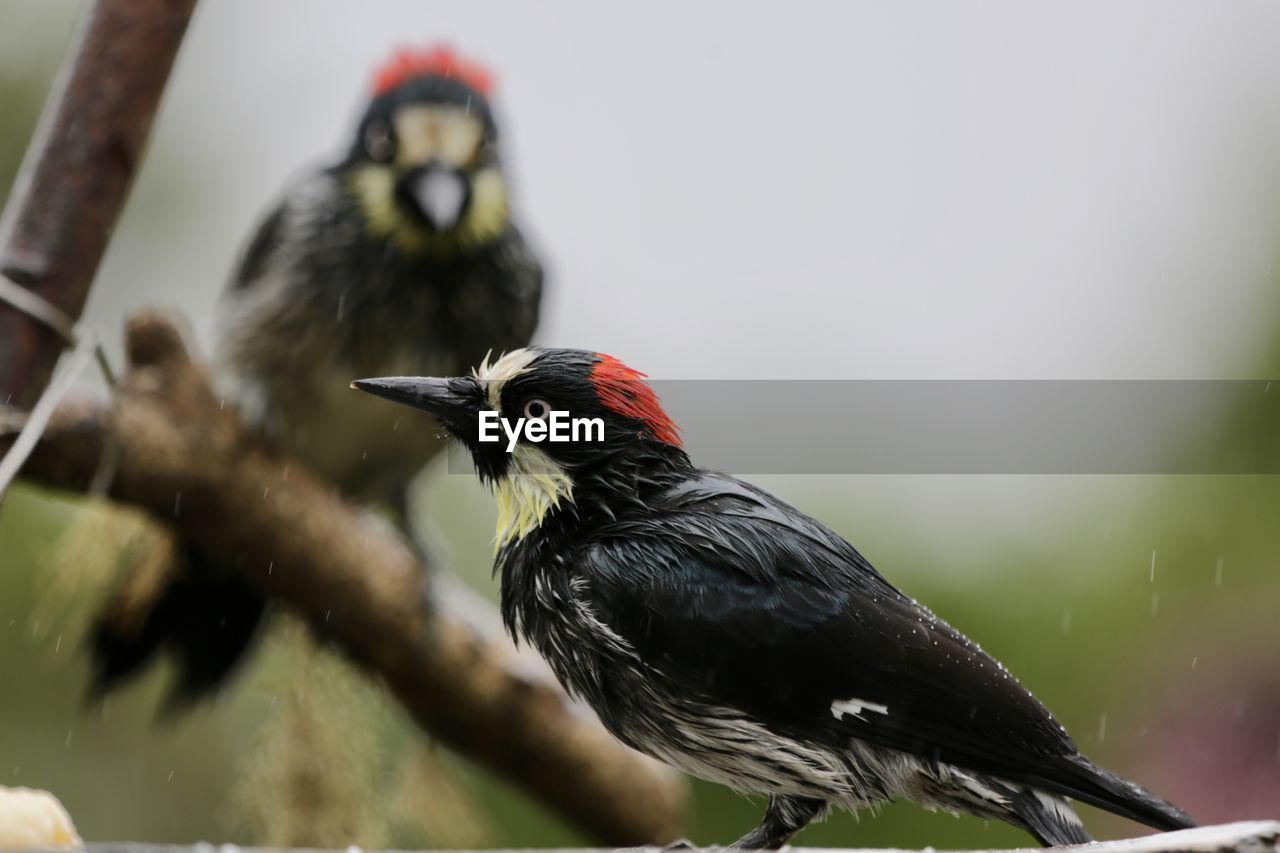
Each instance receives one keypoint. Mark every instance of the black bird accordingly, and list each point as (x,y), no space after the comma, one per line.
(402,257)
(721,630)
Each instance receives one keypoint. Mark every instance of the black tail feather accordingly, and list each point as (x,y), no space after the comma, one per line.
(1091,784)
(207,619)
(1049,818)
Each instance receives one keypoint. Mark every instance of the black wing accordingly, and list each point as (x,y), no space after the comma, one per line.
(257,255)
(743,599)
(313,223)
(207,618)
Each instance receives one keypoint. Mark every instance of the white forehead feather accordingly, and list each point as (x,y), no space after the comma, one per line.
(508,366)
(426,133)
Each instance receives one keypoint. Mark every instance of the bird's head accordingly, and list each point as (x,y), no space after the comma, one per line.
(424,164)
(544,425)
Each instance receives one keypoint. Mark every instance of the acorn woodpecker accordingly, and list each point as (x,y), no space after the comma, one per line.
(718,629)
(402,257)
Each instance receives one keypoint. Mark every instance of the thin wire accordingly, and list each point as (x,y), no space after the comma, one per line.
(37,307)
(31,303)
(30,426)
(39,417)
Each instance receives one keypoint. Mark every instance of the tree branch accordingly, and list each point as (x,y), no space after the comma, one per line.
(291,535)
(77,173)
(1254,836)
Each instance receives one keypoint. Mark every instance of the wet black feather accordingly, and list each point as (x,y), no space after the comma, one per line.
(738,597)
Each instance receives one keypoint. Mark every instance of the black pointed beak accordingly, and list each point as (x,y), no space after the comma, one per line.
(450,400)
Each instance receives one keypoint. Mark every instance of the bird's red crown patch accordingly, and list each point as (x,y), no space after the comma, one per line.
(436,61)
(625,392)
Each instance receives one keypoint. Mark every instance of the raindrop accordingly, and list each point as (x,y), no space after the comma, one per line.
(16,768)
(1066,621)
(170,779)
(1153,565)
(326,615)
(1155,603)
(271,567)
(342,304)
(70,732)
(264,492)
(177,503)
(1102,728)
(1194,661)
(364,455)
(57,647)
(1217,574)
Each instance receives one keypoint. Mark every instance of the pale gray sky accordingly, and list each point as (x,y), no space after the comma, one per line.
(746,189)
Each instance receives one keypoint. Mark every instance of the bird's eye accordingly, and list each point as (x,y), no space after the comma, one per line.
(536,409)
(378,142)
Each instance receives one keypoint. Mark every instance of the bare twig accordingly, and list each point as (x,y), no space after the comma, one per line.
(291,535)
(76,175)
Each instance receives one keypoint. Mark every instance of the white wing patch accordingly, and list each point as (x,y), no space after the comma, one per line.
(855,707)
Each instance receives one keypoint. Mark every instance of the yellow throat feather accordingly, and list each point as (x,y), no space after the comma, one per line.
(485,220)
(533,486)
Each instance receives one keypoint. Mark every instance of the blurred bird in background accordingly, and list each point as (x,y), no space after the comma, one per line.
(400,258)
